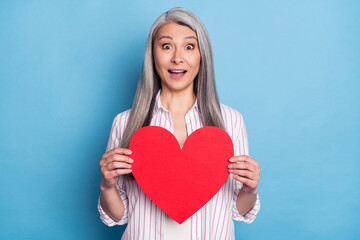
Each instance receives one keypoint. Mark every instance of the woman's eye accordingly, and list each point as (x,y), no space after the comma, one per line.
(166,46)
(189,46)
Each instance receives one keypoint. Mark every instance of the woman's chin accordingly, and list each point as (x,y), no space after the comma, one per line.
(178,85)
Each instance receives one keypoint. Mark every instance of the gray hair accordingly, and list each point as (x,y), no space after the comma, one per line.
(149,82)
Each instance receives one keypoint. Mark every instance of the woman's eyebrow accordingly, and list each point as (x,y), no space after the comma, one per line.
(164,36)
(190,37)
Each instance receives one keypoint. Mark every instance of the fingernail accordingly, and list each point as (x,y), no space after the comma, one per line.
(230,166)
(130,160)
(129,151)
(231,159)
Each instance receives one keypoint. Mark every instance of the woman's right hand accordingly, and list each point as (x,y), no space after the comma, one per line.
(113,164)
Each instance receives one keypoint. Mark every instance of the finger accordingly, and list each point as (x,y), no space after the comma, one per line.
(244,173)
(122,158)
(115,157)
(115,173)
(244,158)
(242,165)
(119,172)
(123,151)
(116,165)
(248,182)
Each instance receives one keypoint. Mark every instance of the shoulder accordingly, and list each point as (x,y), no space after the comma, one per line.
(233,120)
(123,115)
(121,119)
(117,130)
(231,113)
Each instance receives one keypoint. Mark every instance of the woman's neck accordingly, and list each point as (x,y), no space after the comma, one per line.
(177,102)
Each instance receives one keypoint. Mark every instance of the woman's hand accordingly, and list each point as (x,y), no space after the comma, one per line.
(245,170)
(113,164)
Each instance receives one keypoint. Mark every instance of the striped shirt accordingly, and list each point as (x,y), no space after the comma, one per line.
(214,220)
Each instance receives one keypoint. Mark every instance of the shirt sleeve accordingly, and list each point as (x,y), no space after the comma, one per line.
(116,132)
(106,219)
(241,147)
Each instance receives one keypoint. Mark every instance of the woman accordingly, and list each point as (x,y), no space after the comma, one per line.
(177,91)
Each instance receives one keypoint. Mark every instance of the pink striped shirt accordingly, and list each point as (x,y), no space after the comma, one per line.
(214,220)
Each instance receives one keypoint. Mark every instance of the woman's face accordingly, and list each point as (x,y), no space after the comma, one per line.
(176,56)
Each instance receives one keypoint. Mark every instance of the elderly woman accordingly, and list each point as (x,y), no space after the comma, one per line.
(177,91)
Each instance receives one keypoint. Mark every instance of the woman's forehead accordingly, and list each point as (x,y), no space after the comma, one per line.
(175,30)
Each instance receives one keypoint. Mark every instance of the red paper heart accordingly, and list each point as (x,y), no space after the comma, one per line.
(180,181)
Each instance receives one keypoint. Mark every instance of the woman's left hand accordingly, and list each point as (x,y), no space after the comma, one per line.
(247,171)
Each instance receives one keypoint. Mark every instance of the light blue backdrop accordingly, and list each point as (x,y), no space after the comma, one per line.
(292,68)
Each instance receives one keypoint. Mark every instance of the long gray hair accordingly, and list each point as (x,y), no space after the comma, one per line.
(149,82)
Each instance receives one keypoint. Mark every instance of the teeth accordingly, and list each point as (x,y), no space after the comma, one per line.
(177,71)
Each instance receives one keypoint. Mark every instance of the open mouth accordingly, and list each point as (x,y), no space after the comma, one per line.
(177,73)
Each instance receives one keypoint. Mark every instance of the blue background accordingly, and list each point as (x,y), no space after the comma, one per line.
(292,68)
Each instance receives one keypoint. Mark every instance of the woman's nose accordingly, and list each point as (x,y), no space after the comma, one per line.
(177,57)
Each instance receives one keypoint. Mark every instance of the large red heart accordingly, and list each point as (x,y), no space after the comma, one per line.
(180,181)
